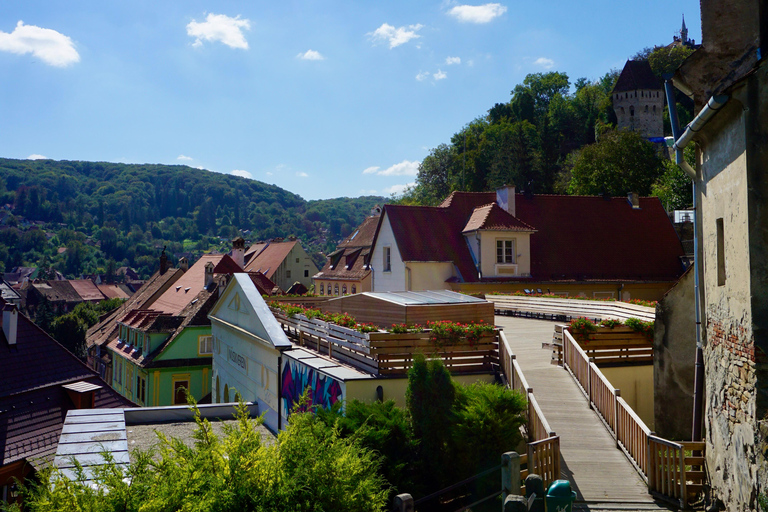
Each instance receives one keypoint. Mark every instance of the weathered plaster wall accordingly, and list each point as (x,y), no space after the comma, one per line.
(674,355)
(428,276)
(522,250)
(634,383)
(729,352)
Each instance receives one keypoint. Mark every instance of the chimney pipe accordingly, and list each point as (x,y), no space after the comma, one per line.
(238,251)
(10,323)
(208,274)
(505,197)
(163,261)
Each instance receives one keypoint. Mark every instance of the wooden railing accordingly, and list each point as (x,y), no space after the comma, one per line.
(566,309)
(664,465)
(385,353)
(543,457)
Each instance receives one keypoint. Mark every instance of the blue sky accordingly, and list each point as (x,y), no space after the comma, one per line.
(323,98)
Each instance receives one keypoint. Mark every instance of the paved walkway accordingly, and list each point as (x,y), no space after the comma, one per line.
(601,474)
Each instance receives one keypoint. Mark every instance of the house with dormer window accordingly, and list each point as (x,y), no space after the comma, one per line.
(161,348)
(480,242)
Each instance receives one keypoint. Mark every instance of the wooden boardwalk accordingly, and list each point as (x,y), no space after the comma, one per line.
(599,472)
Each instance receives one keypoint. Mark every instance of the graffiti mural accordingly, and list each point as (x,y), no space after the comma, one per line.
(323,390)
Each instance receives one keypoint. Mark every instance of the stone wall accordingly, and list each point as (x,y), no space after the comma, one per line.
(674,353)
(641,111)
(732,457)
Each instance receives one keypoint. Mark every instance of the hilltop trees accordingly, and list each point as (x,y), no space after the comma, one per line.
(523,142)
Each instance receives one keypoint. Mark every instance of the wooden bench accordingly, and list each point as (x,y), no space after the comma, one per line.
(564,310)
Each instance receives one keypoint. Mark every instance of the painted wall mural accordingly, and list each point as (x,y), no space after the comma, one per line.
(323,390)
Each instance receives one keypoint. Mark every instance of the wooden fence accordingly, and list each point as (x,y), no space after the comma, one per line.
(385,353)
(665,465)
(543,457)
(567,309)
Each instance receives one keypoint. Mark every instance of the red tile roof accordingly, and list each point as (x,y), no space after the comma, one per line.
(33,403)
(264,285)
(87,290)
(192,282)
(350,260)
(492,216)
(363,235)
(113,291)
(577,238)
(269,259)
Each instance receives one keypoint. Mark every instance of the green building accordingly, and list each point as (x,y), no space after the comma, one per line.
(163,348)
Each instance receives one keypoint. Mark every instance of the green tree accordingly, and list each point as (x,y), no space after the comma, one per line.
(309,468)
(430,400)
(620,162)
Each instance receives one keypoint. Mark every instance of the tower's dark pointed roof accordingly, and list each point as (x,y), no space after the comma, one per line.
(636,75)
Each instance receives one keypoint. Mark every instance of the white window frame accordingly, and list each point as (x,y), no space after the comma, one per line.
(204,342)
(501,258)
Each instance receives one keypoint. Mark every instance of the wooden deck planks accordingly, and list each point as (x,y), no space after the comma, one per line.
(599,471)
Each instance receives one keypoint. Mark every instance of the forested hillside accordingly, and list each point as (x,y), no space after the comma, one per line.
(92,217)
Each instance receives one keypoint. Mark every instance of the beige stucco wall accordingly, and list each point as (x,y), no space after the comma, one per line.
(636,386)
(394,389)
(296,268)
(427,275)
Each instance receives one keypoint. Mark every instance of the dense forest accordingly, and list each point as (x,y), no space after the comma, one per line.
(557,137)
(83,218)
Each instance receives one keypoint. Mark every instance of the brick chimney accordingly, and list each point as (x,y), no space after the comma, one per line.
(238,251)
(505,197)
(163,261)
(10,323)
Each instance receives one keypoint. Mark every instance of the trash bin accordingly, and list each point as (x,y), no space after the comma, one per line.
(560,497)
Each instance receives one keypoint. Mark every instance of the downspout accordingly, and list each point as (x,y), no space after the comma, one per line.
(279,390)
(714,104)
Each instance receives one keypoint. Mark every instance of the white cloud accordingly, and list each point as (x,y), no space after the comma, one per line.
(302,175)
(395,36)
(222,28)
(242,174)
(423,75)
(35,156)
(404,168)
(268,173)
(310,55)
(544,62)
(185,158)
(452,60)
(365,192)
(397,189)
(440,75)
(46,44)
(477,13)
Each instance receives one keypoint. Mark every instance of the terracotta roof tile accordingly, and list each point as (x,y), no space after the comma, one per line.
(363,235)
(87,290)
(186,288)
(113,291)
(269,259)
(492,216)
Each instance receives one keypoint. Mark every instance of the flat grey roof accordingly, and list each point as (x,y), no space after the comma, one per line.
(432,297)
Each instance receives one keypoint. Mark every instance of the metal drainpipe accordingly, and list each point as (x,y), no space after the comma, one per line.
(714,104)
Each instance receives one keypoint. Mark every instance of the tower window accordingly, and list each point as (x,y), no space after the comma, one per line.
(631,110)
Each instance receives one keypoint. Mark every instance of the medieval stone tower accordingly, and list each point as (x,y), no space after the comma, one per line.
(638,100)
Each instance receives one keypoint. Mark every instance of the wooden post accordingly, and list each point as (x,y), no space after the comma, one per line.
(403,503)
(510,474)
(589,380)
(616,395)
(683,491)
(512,358)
